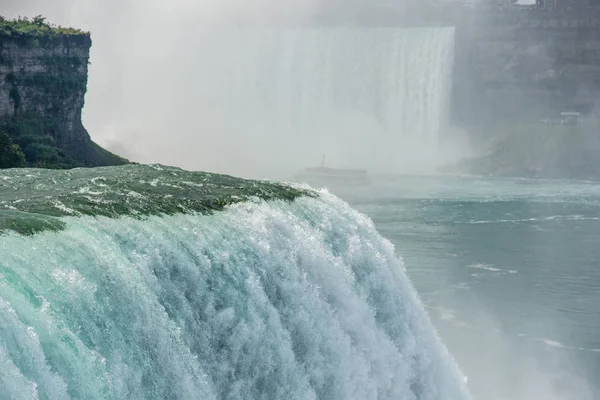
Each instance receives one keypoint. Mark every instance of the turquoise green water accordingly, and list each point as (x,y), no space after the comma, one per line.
(156,283)
(33,200)
(509,270)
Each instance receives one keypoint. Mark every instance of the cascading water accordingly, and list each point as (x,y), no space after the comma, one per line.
(365,96)
(105,296)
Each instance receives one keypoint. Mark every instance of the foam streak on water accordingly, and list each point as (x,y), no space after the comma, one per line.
(278,300)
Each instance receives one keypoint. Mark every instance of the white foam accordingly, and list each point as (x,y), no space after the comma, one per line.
(300,300)
(491,268)
(558,345)
(542,219)
(62,207)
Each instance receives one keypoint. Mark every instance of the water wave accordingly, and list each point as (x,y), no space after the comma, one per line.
(538,219)
(491,268)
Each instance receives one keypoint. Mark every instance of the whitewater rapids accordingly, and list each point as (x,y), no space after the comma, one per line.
(275,299)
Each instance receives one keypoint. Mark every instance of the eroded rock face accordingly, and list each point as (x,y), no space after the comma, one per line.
(521,65)
(517,69)
(42,93)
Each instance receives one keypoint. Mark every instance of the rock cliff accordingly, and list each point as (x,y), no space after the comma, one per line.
(515,69)
(43,80)
(524,65)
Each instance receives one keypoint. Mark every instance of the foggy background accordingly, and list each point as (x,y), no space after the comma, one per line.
(155,92)
(142,100)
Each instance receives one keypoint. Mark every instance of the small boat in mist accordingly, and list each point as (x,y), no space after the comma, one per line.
(326,176)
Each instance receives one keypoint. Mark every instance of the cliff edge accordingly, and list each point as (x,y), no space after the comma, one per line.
(43,80)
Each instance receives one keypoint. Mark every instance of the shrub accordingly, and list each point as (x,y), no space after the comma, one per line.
(11,155)
(35,28)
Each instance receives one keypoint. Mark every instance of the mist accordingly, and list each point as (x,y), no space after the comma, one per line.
(181,83)
(501,365)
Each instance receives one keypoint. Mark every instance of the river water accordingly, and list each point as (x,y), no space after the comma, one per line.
(509,270)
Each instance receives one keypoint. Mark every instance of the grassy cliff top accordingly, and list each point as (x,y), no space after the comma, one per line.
(36,27)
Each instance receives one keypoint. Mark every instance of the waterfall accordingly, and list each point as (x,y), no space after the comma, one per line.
(125,292)
(369,97)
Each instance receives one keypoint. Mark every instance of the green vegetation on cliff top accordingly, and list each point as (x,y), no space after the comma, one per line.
(36,27)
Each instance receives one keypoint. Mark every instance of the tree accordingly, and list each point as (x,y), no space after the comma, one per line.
(39,20)
(11,155)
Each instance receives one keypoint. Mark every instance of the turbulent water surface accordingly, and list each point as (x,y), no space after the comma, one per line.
(147,282)
(509,270)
